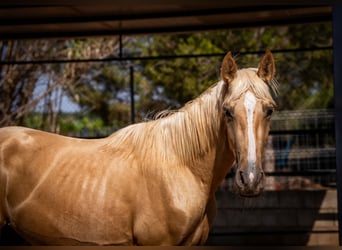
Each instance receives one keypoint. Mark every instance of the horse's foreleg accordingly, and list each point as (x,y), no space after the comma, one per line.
(208,220)
(2,225)
(3,206)
(200,234)
(3,221)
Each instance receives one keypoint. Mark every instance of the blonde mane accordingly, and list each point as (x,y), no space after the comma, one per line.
(181,137)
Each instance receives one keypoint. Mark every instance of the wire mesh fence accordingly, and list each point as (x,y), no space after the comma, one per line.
(300,151)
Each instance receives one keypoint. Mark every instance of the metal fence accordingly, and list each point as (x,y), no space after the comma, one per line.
(300,152)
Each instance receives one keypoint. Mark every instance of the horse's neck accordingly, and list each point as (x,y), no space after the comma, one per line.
(212,166)
(208,154)
(194,137)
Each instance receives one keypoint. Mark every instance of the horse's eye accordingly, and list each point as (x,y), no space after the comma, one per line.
(269,112)
(228,114)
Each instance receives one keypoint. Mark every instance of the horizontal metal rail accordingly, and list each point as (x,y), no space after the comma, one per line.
(303,131)
(122,58)
(320,172)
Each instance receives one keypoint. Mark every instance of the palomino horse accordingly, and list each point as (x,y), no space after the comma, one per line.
(150,183)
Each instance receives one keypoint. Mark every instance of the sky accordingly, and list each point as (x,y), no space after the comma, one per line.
(67,105)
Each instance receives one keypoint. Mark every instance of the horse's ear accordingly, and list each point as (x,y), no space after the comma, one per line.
(228,68)
(266,69)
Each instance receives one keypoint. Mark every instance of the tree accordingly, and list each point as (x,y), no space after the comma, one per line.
(100,89)
(305,77)
(91,85)
(18,83)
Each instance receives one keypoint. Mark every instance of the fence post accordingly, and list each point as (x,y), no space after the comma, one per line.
(337,36)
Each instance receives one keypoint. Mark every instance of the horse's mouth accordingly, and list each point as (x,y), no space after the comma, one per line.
(250,194)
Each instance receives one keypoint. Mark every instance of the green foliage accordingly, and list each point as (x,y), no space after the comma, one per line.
(308,83)
(103,93)
(173,82)
(305,78)
(71,123)
(34,120)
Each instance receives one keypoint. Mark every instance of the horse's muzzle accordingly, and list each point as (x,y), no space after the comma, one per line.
(249,181)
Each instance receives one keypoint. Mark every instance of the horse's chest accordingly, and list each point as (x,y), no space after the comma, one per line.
(169,212)
(188,198)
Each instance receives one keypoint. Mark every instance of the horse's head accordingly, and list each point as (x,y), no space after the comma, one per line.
(248,106)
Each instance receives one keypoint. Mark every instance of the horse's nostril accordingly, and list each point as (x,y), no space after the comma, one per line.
(241,177)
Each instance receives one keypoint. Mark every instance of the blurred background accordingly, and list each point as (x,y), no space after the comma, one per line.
(90,87)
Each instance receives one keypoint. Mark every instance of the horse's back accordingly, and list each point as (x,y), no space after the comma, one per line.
(17,140)
(56,186)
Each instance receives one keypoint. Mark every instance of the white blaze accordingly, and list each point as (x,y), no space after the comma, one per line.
(251,176)
(249,103)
